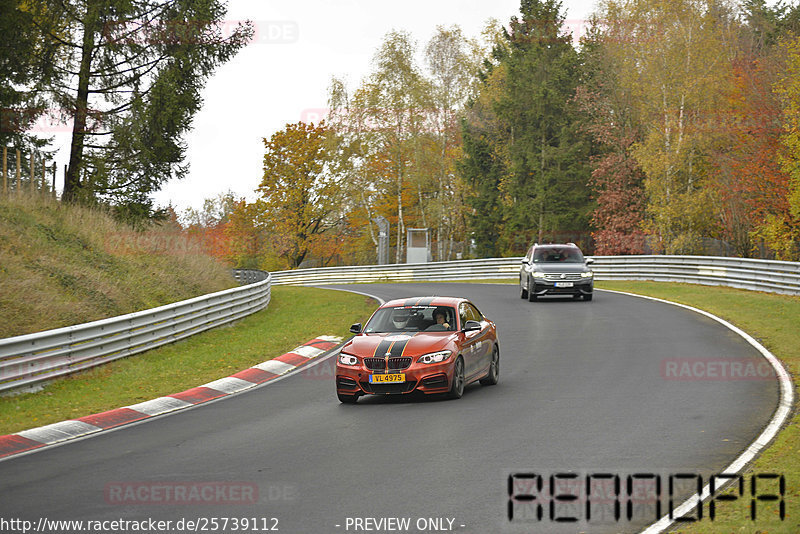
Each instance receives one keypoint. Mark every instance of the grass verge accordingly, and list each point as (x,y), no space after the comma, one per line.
(63,264)
(293,317)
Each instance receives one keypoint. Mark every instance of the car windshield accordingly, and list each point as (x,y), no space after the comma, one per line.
(412,319)
(557,255)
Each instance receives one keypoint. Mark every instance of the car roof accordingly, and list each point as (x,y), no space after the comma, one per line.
(432,300)
(557,245)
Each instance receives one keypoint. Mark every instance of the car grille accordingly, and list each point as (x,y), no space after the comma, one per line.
(567,276)
(380,364)
(402,387)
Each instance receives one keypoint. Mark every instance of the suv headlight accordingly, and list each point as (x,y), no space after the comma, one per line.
(347,359)
(435,357)
(587,274)
(537,274)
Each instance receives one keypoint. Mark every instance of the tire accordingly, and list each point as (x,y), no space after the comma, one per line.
(523,292)
(587,297)
(347,399)
(493,375)
(457,387)
(531,294)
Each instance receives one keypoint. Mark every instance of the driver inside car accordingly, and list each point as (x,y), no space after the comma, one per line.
(440,316)
(400,318)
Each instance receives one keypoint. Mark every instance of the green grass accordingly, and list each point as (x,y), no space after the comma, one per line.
(775,321)
(62,264)
(293,317)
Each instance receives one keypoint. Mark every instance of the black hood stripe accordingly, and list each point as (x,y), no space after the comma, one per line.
(381,349)
(394,348)
(398,348)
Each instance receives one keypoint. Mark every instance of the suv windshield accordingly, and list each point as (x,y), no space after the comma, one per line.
(557,255)
(412,319)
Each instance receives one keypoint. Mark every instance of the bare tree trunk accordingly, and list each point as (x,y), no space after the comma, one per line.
(72,180)
(400,224)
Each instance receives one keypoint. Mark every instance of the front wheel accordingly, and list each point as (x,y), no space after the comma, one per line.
(523,291)
(587,296)
(457,387)
(493,375)
(531,293)
(347,399)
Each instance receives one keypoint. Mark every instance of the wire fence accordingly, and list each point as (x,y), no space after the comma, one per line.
(26,171)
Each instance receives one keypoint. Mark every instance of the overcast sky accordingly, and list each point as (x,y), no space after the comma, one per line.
(283,75)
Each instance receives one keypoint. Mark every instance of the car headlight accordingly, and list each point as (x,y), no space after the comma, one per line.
(347,359)
(587,274)
(435,357)
(537,274)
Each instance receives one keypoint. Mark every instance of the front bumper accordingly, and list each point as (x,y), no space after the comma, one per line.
(543,286)
(425,378)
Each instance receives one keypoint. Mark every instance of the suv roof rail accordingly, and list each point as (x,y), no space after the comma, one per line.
(573,244)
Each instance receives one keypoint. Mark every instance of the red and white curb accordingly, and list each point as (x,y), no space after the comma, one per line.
(35,438)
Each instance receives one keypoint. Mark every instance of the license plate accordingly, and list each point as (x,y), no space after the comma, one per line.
(563,284)
(379,379)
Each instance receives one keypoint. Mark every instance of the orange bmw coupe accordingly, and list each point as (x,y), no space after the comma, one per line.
(427,344)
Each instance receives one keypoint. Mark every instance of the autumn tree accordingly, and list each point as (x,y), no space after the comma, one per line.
(399,139)
(249,241)
(782,229)
(453,62)
(210,225)
(299,196)
(673,58)
(616,180)
(397,98)
(350,132)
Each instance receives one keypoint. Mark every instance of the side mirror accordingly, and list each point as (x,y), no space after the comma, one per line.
(525,261)
(356,328)
(470,326)
(589,261)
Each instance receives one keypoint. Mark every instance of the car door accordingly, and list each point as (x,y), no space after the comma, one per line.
(469,345)
(482,341)
(523,273)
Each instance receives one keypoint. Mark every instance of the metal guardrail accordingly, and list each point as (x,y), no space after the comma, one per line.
(33,358)
(495,268)
(249,276)
(756,275)
(759,275)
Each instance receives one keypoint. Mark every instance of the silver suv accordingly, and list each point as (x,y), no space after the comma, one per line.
(555,270)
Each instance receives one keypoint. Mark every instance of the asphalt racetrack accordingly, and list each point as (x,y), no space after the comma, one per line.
(585,388)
